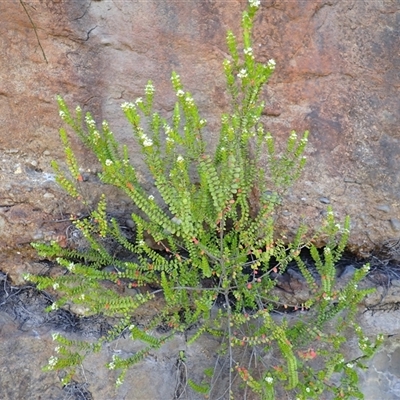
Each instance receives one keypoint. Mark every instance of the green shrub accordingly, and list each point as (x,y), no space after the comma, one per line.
(214,216)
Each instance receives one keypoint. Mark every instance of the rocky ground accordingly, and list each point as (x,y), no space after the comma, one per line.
(26,345)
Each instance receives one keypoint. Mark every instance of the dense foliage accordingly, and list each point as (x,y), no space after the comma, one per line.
(214,218)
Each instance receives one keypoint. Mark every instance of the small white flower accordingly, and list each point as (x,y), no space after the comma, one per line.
(180,93)
(82,296)
(242,73)
(269,379)
(126,106)
(118,382)
(151,197)
(55,335)
(90,122)
(139,100)
(248,51)
(104,124)
(149,89)
(57,349)
(293,136)
(109,162)
(141,243)
(349,365)
(56,286)
(203,122)
(78,109)
(271,63)
(189,101)
(62,114)
(131,327)
(169,139)
(147,142)
(111,365)
(180,159)
(52,362)
(26,277)
(254,3)
(380,337)
(54,306)
(71,267)
(308,390)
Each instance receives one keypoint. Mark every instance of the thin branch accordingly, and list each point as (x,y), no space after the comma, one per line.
(34,28)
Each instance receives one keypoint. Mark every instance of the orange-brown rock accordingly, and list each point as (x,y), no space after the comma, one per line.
(337,75)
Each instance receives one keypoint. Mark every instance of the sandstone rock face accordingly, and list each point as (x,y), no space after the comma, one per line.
(337,75)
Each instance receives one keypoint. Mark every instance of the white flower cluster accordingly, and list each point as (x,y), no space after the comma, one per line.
(180,93)
(90,122)
(71,267)
(271,63)
(175,78)
(248,52)
(149,89)
(127,106)
(180,159)
(189,101)
(26,277)
(254,3)
(147,142)
(62,115)
(242,73)
(111,365)
(108,162)
(52,362)
(269,379)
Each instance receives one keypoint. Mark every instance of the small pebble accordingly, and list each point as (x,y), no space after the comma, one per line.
(38,236)
(18,170)
(46,153)
(324,200)
(129,223)
(395,224)
(384,207)
(348,272)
